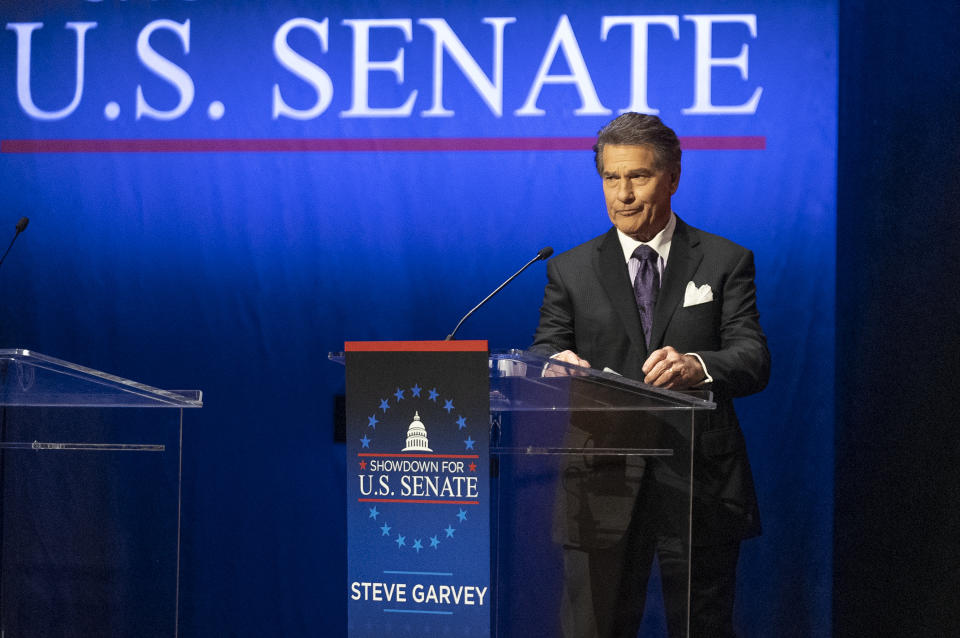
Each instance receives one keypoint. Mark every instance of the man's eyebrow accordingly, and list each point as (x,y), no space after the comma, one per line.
(632,172)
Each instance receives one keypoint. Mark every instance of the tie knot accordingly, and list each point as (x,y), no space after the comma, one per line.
(645,253)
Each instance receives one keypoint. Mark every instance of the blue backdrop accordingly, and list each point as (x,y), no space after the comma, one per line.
(195,222)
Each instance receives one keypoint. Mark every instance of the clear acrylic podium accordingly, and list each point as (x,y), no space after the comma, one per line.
(570,450)
(90,482)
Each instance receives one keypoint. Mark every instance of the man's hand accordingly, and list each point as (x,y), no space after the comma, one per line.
(567,356)
(667,368)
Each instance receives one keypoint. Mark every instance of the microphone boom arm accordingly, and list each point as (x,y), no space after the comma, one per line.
(544,253)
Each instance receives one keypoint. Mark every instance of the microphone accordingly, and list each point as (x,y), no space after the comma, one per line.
(543,253)
(21,226)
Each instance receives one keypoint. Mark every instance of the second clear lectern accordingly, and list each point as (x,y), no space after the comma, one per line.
(90,482)
(571,449)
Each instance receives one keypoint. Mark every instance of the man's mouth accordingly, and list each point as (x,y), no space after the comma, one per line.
(628,212)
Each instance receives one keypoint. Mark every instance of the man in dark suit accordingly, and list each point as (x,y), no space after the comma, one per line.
(661,302)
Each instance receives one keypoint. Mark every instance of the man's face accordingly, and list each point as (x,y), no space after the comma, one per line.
(637,193)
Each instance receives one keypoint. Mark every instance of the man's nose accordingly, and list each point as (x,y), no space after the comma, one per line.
(624,192)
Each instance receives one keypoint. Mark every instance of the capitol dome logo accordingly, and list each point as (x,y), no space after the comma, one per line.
(417,436)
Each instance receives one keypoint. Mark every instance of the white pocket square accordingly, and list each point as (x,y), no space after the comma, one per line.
(693,295)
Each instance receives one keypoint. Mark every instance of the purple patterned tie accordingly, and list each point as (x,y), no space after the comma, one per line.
(646,286)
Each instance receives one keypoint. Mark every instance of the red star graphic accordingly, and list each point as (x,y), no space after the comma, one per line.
(363,465)
(473,467)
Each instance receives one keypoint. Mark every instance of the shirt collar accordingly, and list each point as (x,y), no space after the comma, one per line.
(660,242)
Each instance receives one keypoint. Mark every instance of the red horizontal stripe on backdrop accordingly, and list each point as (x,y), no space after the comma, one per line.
(418,501)
(724,143)
(400,144)
(476,345)
(268,145)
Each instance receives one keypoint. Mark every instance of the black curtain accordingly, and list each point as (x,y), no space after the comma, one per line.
(897,507)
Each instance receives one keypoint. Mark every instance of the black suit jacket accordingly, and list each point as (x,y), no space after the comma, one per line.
(589,308)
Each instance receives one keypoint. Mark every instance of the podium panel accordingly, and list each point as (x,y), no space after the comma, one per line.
(583,461)
(90,479)
(580,462)
(418,489)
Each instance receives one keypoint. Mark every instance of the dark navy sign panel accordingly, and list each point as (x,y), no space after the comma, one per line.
(231,190)
(418,489)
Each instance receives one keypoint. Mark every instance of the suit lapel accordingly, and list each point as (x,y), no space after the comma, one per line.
(616,282)
(685,256)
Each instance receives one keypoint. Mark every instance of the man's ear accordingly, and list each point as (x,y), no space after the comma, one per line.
(674,180)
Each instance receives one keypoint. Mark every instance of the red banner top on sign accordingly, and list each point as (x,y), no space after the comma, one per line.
(477,345)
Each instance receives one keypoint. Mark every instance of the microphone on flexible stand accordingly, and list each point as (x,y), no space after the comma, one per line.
(543,253)
(21,226)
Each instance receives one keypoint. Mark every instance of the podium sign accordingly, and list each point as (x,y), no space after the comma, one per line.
(418,489)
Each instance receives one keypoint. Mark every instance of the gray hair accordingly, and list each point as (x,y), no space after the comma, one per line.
(637,129)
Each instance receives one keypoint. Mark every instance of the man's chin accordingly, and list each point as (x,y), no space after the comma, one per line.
(631,226)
